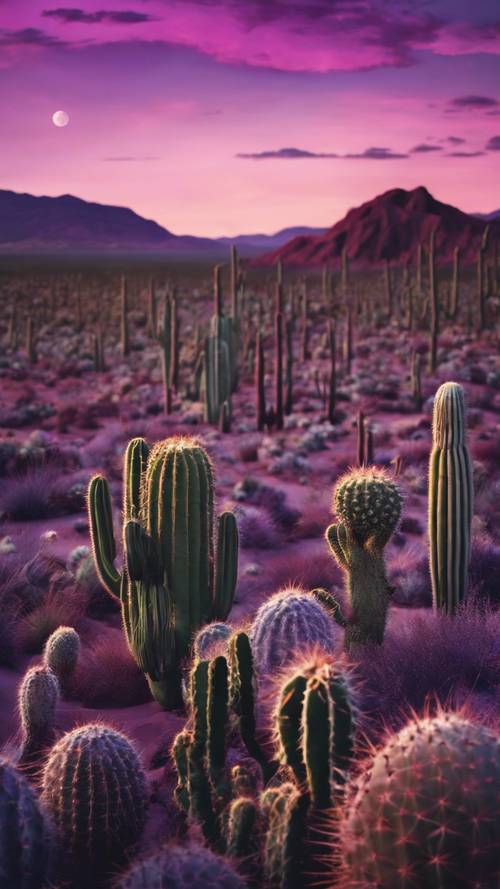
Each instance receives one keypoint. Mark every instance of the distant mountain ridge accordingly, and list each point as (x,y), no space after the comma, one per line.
(488,217)
(389,227)
(258,242)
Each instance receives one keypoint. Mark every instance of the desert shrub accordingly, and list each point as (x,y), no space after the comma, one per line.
(107,675)
(257,528)
(61,606)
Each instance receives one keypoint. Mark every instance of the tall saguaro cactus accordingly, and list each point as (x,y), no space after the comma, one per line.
(175,579)
(450,499)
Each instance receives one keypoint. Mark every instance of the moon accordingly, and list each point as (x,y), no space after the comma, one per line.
(60,118)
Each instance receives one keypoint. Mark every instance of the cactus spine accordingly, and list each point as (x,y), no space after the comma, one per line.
(450,499)
(95,791)
(24,836)
(368,505)
(176,579)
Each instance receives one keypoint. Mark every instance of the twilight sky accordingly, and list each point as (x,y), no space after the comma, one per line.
(251,115)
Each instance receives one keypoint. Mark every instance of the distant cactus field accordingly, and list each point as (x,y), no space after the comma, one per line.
(249,572)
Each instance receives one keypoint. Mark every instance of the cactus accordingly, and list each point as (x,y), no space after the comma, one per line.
(61,654)
(38,697)
(288,368)
(259,383)
(347,342)
(450,499)
(220,368)
(278,362)
(455,287)
(481,280)
(31,350)
(315,725)
(124,331)
(332,380)
(211,638)
(368,506)
(24,835)
(95,791)
(290,622)
(424,811)
(183,867)
(286,836)
(176,580)
(434,304)
(416,383)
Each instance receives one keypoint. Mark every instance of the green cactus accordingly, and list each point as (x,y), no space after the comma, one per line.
(450,499)
(61,654)
(315,724)
(368,505)
(241,690)
(96,794)
(424,811)
(38,697)
(170,587)
(24,835)
(284,854)
(220,367)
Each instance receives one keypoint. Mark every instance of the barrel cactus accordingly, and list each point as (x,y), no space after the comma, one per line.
(367,503)
(61,654)
(24,835)
(424,812)
(450,499)
(95,790)
(211,639)
(38,696)
(176,579)
(290,622)
(183,867)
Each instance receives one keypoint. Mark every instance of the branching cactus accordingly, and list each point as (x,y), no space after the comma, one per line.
(368,505)
(183,867)
(424,811)
(38,697)
(95,791)
(176,579)
(61,654)
(290,622)
(450,499)
(24,836)
(315,721)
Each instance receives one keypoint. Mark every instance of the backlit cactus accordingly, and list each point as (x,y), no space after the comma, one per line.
(183,867)
(450,499)
(210,639)
(24,835)
(315,722)
(368,505)
(425,811)
(61,654)
(176,579)
(290,622)
(38,697)
(95,791)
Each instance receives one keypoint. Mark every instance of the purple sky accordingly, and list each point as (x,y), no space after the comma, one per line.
(250,115)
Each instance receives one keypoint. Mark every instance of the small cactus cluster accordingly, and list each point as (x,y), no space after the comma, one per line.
(289,623)
(24,833)
(95,791)
(183,867)
(368,505)
(450,499)
(175,578)
(425,810)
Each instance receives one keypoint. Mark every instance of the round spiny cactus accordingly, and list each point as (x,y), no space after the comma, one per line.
(95,790)
(291,622)
(61,653)
(24,837)
(425,811)
(211,639)
(183,867)
(368,502)
(37,698)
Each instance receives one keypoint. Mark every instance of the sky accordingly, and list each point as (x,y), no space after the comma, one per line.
(240,116)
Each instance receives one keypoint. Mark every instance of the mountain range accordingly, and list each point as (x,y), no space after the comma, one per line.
(388,227)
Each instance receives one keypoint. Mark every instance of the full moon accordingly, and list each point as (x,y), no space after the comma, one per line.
(60,119)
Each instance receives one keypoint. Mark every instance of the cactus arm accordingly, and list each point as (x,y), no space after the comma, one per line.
(332,538)
(227,565)
(241,827)
(317,742)
(180,752)
(289,721)
(136,457)
(331,605)
(102,534)
(217,724)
